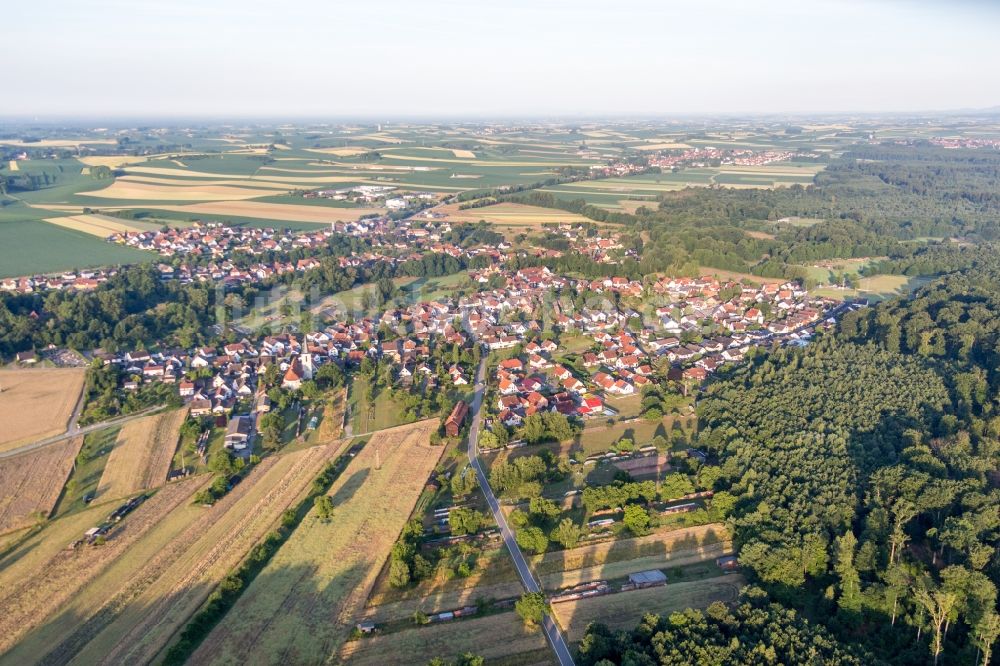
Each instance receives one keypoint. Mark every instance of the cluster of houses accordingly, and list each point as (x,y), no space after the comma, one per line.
(84,280)
(613,168)
(217,241)
(620,362)
(371,194)
(957,142)
(206,251)
(526,388)
(601,249)
(700,157)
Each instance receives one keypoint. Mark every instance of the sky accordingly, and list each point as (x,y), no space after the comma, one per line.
(495,59)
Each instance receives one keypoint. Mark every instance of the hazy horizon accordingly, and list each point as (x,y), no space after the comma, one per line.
(569,60)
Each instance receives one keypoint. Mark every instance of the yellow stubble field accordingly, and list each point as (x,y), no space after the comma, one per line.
(36,403)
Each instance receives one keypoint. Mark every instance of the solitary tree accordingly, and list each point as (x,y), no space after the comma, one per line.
(566,533)
(531,608)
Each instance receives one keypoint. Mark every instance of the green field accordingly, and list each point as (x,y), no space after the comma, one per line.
(824,272)
(367,416)
(31,247)
(877,287)
(90,463)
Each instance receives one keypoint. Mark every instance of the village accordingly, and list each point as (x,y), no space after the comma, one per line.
(558,357)
(700,157)
(206,252)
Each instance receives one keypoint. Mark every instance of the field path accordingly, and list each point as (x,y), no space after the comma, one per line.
(74,430)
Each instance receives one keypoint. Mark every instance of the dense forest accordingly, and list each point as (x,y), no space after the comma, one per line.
(865,471)
(753,631)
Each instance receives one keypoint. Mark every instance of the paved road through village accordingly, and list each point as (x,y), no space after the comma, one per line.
(548,625)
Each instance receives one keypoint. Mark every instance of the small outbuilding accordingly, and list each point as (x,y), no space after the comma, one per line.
(453,425)
(727,563)
(651,578)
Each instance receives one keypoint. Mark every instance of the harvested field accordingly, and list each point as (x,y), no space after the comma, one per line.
(621,568)
(512,215)
(95,225)
(178,182)
(495,163)
(75,622)
(495,577)
(37,403)
(123,189)
(142,455)
(318,177)
(654,545)
(732,275)
(301,607)
(112,161)
(346,151)
(13,165)
(442,600)
(272,211)
(468,154)
(380,136)
(30,600)
(30,484)
(57,143)
(186,173)
(28,555)
(630,206)
(493,636)
(624,610)
(135,624)
(662,146)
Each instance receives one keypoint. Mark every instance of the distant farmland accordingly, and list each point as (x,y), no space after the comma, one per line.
(234,179)
(609,192)
(513,215)
(31,247)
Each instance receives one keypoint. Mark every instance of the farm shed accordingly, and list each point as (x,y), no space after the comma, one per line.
(727,563)
(650,578)
(457,417)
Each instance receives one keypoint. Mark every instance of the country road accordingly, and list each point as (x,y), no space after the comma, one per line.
(75,431)
(552,631)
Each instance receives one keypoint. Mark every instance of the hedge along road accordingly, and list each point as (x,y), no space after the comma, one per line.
(552,632)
